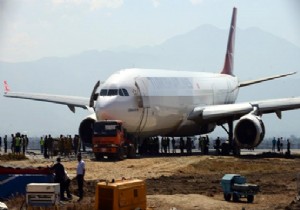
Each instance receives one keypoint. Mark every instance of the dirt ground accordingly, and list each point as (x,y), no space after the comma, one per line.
(189,182)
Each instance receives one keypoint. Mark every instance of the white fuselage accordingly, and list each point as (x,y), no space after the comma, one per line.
(157,102)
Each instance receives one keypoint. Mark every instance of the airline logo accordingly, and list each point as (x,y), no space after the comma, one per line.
(6,87)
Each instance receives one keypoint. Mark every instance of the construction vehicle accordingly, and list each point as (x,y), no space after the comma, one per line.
(110,140)
(235,186)
(121,195)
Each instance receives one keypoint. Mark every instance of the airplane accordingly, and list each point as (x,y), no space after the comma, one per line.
(157,102)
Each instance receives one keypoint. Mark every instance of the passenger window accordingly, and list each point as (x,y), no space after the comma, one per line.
(103,92)
(125,92)
(112,92)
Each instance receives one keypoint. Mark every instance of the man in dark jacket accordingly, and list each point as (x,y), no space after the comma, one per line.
(59,171)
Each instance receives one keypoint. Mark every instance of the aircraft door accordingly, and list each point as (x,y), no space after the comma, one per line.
(143,94)
(143,102)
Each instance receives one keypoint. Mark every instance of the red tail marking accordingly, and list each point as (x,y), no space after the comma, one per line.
(6,87)
(229,58)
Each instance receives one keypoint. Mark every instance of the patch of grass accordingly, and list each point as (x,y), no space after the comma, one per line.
(11,156)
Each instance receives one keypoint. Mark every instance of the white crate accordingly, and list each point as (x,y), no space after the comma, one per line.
(42,199)
(42,194)
(43,187)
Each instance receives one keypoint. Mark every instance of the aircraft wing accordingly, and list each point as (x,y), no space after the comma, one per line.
(219,113)
(70,101)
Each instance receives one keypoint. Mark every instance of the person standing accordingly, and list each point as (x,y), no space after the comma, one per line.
(59,171)
(278,145)
(288,147)
(181,145)
(0,143)
(80,172)
(76,143)
(18,143)
(67,185)
(23,143)
(273,144)
(217,145)
(26,142)
(5,144)
(189,146)
(46,143)
(50,146)
(42,145)
(13,143)
(173,145)
(168,144)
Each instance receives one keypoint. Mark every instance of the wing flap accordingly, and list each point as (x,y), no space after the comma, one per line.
(235,111)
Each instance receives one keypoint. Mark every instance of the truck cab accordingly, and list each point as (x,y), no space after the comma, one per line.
(110,140)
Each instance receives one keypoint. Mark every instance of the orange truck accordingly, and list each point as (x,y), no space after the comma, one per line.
(110,140)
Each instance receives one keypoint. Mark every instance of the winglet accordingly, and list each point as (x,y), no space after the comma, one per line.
(6,87)
(229,58)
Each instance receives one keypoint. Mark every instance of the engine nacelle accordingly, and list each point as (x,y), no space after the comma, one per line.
(249,131)
(86,129)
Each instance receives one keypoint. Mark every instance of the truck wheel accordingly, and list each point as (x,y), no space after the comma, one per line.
(250,198)
(227,196)
(131,152)
(98,156)
(235,197)
(120,154)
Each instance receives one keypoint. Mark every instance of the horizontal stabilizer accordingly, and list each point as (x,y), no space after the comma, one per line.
(251,82)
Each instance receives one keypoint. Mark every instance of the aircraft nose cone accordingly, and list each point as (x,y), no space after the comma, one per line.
(105,108)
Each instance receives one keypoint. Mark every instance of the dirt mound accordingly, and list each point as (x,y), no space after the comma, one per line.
(192,182)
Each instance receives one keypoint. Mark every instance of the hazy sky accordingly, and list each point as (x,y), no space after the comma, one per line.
(32,29)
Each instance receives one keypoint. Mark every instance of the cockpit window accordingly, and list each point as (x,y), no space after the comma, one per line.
(125,92)
(103,92)
(114,92)
(121,92)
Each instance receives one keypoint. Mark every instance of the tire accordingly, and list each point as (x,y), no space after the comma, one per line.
(120,154)
(235,197)
(98,156)
(131,152)
(250,198)
(227,196)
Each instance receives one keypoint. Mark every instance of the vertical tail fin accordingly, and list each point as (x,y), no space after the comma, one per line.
(229,58)
(6,87)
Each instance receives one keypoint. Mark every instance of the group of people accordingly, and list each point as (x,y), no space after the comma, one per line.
(63,146)
(61,177)
(204,144)
(278,144)
(19,143)
(154,145)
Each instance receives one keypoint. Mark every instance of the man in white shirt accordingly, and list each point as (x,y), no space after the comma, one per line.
(80,176)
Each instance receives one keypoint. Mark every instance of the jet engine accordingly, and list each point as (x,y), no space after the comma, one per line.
(86,129)
(249,131)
